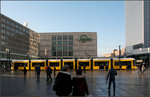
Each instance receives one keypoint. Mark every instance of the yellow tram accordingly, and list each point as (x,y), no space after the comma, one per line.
(82,62)
(101,63)
(19,64)
(124,63)
(56,63)
(41,63)
(70,63)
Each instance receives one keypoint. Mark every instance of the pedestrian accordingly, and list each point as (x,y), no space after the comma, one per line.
(79,70)
(111,76)
(35,69)
(140,68)
(84,68)
(143,68)
(54,71)
(49,72)
(63,85)
(106,67)
(25,71)
(38,72)
(80,87)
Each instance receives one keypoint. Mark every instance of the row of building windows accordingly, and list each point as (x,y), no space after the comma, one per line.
(60,53)
(62,48)
(62,37)
(62,42)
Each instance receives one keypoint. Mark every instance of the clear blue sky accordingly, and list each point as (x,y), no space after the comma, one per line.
(107,18)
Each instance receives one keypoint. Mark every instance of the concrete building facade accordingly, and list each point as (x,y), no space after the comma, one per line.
(68,44)
(137,18)
(17,40)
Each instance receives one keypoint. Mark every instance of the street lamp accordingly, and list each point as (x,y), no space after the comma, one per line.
(8,66)
(46,57)
(29,60)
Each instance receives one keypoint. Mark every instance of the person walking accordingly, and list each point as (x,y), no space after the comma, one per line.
(143,68)
(38,72)
(54,71)
(49,72)
(25,71)
(63,84)
(79,70)
(111,76)
(80,87)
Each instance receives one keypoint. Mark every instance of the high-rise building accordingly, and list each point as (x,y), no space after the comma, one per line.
(68,45)
(137,18)
(16,40)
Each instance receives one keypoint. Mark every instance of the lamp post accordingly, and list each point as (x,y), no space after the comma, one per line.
(46,57)
(119,57)
(29,61)
(8,66)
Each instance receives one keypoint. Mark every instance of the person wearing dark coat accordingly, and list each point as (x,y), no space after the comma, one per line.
(111,75)
(25,71)
(63,85)
(80,87)
(49,72)
(38,72)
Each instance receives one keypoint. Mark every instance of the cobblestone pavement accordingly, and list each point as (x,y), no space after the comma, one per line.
(128,83)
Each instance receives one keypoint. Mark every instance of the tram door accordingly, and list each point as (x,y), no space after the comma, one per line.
(70,64)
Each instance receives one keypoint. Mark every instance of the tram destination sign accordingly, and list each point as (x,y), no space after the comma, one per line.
(84,38)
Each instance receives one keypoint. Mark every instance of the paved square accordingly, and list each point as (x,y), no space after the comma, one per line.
(128,83)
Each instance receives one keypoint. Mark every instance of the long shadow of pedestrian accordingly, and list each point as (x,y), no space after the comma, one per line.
(109,93)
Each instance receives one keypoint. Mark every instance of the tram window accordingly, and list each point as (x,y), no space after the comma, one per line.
(101,63)
(68,63)
(82,63)
(54,64)
(20,64)
(122,63)
(41,64)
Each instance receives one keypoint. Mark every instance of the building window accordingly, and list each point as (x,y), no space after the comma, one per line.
(7,27)
(3,43)
(70,53)
(59,37)
(2,37)
(65,37)
(70,48)
(17,26)
(8,22)
(53,42)
(64,53)
(70,37)
(2,31)
(53,47)
(65,48)
(70,42)
(54,53)
(53,37)
(59,42)
(2,19)
(59,48)
(64,42)
(3,25)
(59,53)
